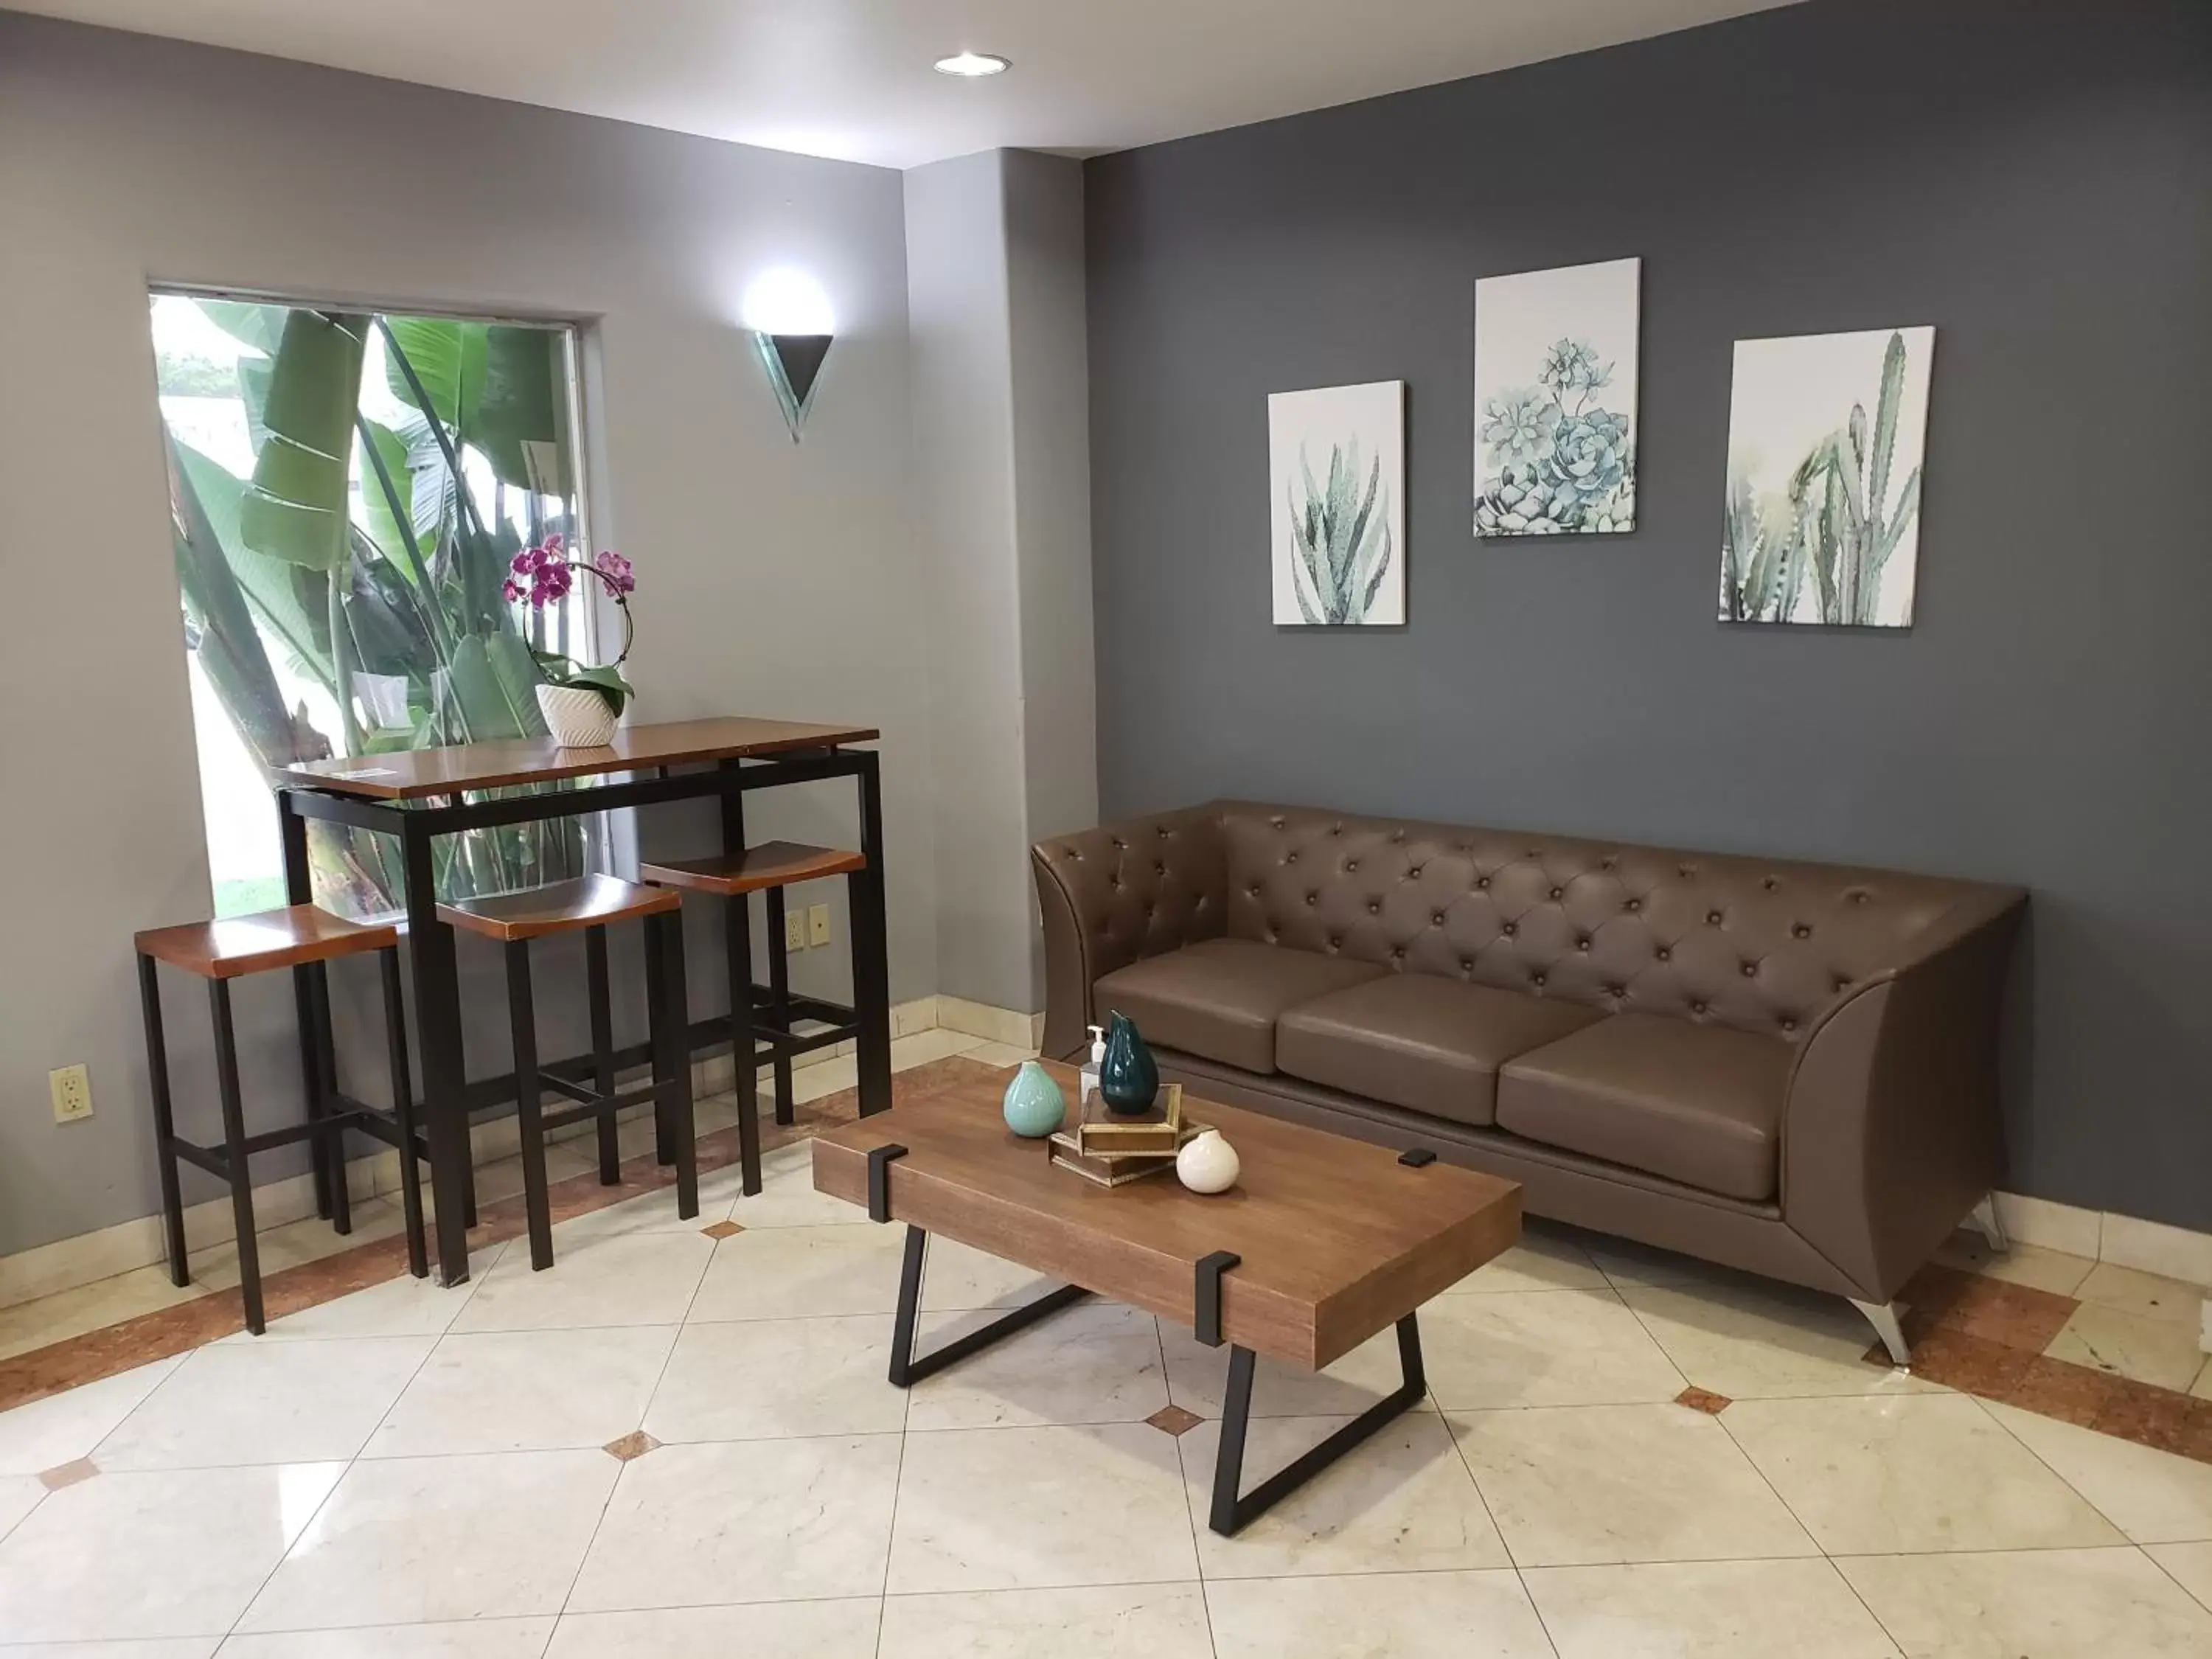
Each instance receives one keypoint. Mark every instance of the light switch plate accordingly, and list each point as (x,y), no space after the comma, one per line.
(794,930)
(817,924)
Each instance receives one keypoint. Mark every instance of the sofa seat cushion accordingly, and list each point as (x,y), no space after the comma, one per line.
(1220,997)
(1427,1043)
(1700,1104)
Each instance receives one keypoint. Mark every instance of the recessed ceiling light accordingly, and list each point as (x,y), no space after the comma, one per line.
(973,65)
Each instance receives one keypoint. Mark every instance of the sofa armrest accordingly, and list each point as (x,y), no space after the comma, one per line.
(1112,894)
(1893,1128)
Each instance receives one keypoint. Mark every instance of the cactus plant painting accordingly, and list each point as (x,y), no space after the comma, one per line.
(1826,438)
(1337,467)
(1555,400)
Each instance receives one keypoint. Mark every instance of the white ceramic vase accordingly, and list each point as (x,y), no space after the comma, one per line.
(1207,1163)
(577,716)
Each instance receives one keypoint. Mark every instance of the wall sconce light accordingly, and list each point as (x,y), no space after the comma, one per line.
(792,326)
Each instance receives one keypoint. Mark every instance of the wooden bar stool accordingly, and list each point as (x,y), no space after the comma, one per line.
(589,906)
(767,869)
(304,939)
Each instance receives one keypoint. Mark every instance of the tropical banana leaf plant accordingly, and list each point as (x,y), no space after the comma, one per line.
(365,553)
(1342,534)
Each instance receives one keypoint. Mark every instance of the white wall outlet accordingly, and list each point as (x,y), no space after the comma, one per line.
(817,924)
(794,930)
(71,1088)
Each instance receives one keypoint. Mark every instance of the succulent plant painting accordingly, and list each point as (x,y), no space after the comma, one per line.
(1555,400)
(1822,519)
(1337,461)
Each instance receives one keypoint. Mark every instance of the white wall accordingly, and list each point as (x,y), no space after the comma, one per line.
(774,579)
(1002,449)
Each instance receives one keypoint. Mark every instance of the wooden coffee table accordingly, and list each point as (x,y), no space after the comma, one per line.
(1324,1243)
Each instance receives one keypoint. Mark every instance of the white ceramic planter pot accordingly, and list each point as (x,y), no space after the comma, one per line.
(577,716)
(1207,1163)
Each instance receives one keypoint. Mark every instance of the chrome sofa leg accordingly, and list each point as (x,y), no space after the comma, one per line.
(1885,1317)
(1985,1221)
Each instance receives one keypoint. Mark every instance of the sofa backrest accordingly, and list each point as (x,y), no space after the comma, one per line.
(1760,944)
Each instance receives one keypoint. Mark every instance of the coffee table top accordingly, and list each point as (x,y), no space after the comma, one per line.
(1339,1240)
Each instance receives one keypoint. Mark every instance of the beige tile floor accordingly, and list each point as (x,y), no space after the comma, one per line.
(415,1472)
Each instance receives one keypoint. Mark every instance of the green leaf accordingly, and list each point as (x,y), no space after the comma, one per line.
(256,325)
(494,683)
(273,587)
(519,415)
(383,526)
(448,357)
(1885,424)
(296,508)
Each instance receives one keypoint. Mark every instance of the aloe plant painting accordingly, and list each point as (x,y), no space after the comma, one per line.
(1555,368)
(1340,529)
(1822,519)
(342,524)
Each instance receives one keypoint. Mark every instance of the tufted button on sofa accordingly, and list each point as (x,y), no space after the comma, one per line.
(1788,1068)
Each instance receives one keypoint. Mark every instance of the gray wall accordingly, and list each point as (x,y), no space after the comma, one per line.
(773,578)
(995,296)
(2031,177)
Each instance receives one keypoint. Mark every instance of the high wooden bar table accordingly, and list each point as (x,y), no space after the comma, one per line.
(421,794)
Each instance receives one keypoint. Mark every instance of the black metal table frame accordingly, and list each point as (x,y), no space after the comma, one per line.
(1233,1508)
(448,1095)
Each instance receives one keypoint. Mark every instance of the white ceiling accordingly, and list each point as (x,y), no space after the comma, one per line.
(851,78)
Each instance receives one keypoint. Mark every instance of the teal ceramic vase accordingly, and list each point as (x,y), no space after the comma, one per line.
(1128,1077)
(1034,1106)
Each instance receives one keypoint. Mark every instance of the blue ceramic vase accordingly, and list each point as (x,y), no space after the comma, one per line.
(1128,1077)
(1034,1106)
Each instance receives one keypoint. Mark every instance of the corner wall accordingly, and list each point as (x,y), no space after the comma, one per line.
(995,299)
(774,579)
(2030,176)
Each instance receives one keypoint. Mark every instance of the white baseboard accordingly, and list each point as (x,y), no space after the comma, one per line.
(2126,1240)
(66,1263)
(1006,1025)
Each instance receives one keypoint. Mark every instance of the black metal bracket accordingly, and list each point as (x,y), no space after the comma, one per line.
(1417,1158)
(907,1367)
(1206,1299)
(879,1180)
(1234,1509)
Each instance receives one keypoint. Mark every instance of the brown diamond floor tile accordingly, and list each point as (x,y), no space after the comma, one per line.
(68,1474)
(631,1446)
(722,1229)
(1703,1400)
(1174,1419)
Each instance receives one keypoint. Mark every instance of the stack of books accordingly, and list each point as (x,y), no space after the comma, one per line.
(1113,1151)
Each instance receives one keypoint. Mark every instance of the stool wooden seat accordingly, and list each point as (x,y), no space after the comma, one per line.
(233,945)
(306,941)
(589,905)
(561,907)
(771,864)
(732,877)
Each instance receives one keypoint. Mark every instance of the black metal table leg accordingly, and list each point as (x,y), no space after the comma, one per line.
(779,995)
(907,1367)
(1233,1511)
(165,1128)
(329,1146)
(872,1006)
(529,1114)
(737,945)
(672,1060)
(233,1154)
(438,1027)
(403,1112)
(603,1049)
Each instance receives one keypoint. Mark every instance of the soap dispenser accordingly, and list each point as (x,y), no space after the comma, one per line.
(1089,1078)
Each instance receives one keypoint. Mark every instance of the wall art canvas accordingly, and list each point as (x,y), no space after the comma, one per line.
(1826,437)
(1336,463)
(1555,400)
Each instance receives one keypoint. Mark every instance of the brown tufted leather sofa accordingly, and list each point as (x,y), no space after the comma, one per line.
(1788,1068)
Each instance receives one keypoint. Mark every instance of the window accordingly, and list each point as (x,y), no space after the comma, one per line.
(347,490)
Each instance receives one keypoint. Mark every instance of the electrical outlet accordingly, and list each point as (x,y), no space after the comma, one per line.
(817,924)
(71,1088)
(794,930)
